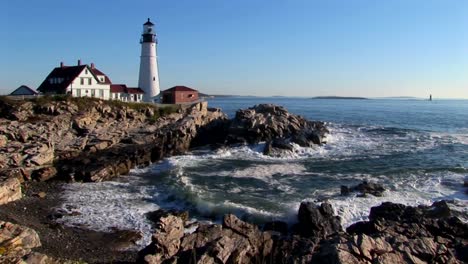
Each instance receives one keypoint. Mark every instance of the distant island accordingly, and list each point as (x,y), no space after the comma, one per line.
(340,97)
(215,95)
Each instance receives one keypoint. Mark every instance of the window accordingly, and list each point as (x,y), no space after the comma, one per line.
(190,95)
(86,71)
(93,93)
(78,92)
(154,78)
(89,81)
(101,93)
(102,79)
(81,81)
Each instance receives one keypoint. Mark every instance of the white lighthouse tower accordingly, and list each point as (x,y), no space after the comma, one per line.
(148,80)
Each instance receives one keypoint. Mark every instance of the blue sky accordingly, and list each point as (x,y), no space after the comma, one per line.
(248,47)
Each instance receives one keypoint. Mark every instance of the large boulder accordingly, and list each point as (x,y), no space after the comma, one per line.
(423,234)
(268,122)
(364,188)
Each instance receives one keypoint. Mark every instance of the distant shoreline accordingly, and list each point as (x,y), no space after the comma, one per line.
(340,97)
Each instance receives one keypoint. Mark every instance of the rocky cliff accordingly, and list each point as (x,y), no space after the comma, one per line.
(89,140)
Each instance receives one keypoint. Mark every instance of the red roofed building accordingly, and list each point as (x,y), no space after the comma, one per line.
(179,95)
(122,93)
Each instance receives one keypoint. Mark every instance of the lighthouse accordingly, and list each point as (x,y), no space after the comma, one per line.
(148,79)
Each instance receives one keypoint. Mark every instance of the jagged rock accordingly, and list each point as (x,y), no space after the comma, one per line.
(155,216)
(233,242)
(317,222)
(364,188)
(22,112)
(394,234)
(277,226)
(277,147)
(16,241)
(166,240)
(44,174)
(417,234)
(39,155)
(10,189)
(85,122)
(3,140)
(293,249)
(267,122)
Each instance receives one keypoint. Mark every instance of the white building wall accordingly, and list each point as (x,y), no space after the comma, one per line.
(86,85)
(148,79)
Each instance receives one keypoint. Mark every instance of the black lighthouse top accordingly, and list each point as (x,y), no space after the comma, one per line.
(148,23)
(148,33)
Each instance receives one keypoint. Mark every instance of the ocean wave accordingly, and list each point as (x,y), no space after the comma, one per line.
(243,181)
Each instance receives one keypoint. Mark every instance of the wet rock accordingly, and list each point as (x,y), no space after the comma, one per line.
(317,221)
(277,147)
(126,239)
(155,216)
(344,190)
(267,122)
(293,249)
(16,241)
(10,189)
(277,226)
(364,188)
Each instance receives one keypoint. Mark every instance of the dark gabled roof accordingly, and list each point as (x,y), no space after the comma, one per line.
(98,72)
(148,23)
(118,88)
(135,91)
(23,90)
(67,73)
(180,89)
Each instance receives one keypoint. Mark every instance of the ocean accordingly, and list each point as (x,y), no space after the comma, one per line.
(417,149)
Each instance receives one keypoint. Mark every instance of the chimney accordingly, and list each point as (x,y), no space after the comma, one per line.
(61,64)
(92,65)
(79,62)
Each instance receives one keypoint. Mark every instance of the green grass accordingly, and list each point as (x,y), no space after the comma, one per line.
(85,103)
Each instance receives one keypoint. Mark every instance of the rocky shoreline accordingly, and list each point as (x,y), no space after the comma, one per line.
(394,234)
(48,141)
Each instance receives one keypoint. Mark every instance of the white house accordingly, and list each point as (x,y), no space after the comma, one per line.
(79,81)
(87,81)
